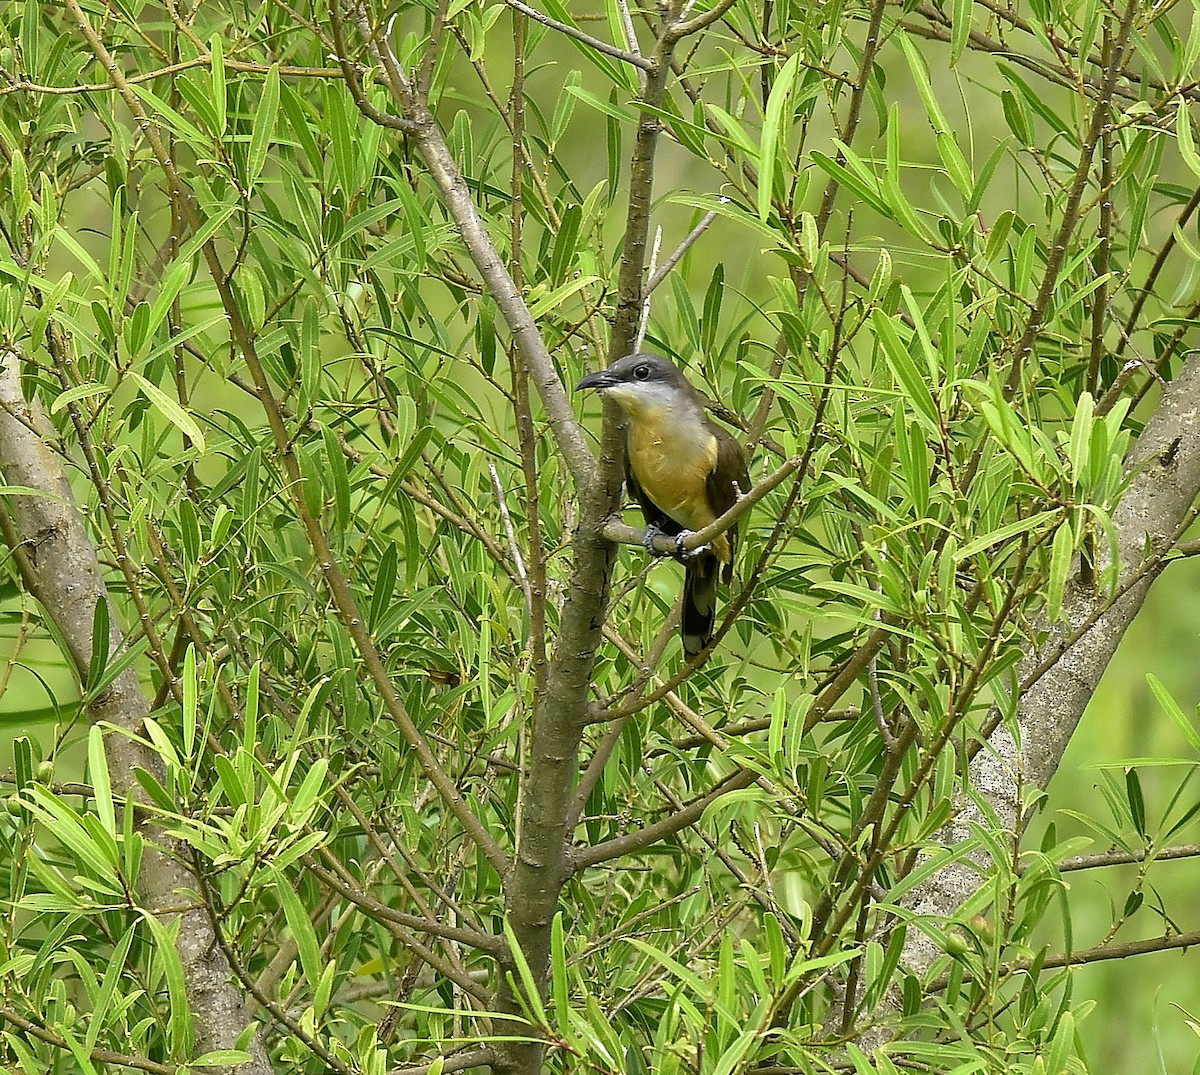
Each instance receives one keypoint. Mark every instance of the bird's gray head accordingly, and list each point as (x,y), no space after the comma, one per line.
(641,383)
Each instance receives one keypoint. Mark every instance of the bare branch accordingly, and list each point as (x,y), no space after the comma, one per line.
(688,27)
(631,58)
(474,1058)
(651,834)
(658,275)
(1125,858)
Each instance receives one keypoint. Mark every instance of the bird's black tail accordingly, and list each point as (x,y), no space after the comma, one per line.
(699,603)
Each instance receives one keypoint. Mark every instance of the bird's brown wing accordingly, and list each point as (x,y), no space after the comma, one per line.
(727,480)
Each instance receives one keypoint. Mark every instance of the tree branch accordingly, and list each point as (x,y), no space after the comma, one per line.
(456,197)
(631,842)
(604,47)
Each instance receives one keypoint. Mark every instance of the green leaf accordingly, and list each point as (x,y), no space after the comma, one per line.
(22,762)
(609,109)
(1002,534)
(179,1024)
(1081,437)
(956,164)
(866,190)
(901,208)
(294,108)
(1189,728)
(101,781)
(221,1058)
(51,306)
(339,477)
(300,924)
(566,105)
(960,29)
(559,977)
(113,669)
(108,988)
(101,640)
(912,383)
(250,717)
(1136,800)
(529,992)
(163,114)
(731,211)
(190,701)
(78,1051)
(543,305)
(779,99)
(339,113)
(384,589)
(80,391)
(217,72)
(69,830)
(171,410)
(168,290)
(310,789)
(1061,553)
(262,134)
(1184,137)
(920,74)
(736,135)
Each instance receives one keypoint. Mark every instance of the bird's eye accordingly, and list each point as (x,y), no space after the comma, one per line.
(641,372)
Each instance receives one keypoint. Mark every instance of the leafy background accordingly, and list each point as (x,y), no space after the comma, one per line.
(440,387)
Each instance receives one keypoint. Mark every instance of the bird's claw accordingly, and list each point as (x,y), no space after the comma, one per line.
(689,554)
(653,530)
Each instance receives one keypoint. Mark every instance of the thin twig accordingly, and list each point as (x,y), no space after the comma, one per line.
(1122,858)
(573,31)
(513,546)
(645,318)
(657,276)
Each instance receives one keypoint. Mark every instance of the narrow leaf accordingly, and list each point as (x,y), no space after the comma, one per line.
(180,1022)
(1061,553)
(1190,732)
(777,103)
(300,924)
(263,133)
(905,370)
(171,410)
(101,781)
(101,640)
(217,61)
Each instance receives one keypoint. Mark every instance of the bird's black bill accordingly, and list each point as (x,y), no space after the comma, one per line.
(599,379)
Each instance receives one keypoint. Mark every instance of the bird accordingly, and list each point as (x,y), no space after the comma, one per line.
(684,471)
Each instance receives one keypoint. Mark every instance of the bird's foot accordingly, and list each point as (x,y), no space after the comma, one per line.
(689,554)
(653,530)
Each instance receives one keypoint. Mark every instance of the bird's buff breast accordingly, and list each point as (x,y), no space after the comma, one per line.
(672,467)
